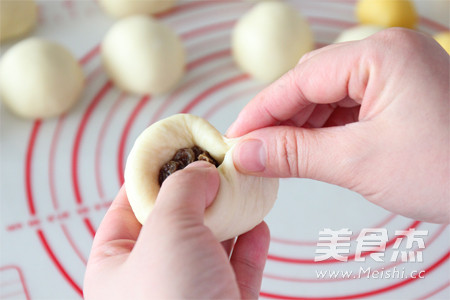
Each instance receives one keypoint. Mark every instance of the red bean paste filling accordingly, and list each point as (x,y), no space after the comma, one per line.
(182,158)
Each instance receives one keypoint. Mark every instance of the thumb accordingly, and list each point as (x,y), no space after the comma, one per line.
(187,192)
(326,154)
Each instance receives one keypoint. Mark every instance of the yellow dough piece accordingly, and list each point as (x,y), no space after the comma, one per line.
(270,39)
(143,56)
(40,79)
(443,38)
(387,13)
(242,201)
(17,18)
(125,8)
(358,33)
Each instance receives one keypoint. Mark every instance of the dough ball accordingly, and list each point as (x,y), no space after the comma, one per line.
(40,79)
(357,33)
(242,200)
(387,13)
(17,18)
(143,56)
(270,39)
(124,8)
(443,39)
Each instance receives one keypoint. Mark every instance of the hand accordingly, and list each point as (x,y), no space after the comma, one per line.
(371,116)
(174,255)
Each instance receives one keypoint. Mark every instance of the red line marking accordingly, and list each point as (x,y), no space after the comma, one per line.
(57,263)
(211,27)
(432,293)
(212,90)
(73,244)
(292,279)
(83,210)
(34,222)
(28,166)
(185,86)
(100,141)
(216,55)
(360,295)
(231,98)
(123,138)
(91,54)
(89,225)
(52,156)
(314,243)
(21,277)
(10,282)
(433,24)
(13,227)
(12,294)
(76,148)
(183,7)
(350,257)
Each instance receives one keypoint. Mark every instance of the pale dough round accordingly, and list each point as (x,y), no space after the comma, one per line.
(358,33)
(242,201)
(143,56)
(17,18)
(40,79)
(124,8)
(270,39)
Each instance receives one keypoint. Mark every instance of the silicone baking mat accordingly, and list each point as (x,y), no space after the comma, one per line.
(59,176)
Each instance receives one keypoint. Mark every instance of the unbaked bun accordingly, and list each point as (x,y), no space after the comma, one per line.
(358,33)
(17,18)
(143,56)
(39,79)
(270,39)
(242,200)
(125,8)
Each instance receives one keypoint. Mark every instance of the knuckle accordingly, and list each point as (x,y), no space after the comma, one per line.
(400,39)
(288,153)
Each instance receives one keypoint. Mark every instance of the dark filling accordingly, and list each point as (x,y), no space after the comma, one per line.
(182,158)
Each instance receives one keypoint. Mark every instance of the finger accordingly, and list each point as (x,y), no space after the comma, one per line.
(248,260)
(118,230)
(327,77)
(189,191)
(326,154)
(342,116)
(300,119)
(320,115)
(228,245)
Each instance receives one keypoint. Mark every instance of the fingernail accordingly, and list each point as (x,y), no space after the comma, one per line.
(250,156)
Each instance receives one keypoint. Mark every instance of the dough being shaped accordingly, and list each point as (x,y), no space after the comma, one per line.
(143,56)
(242,200)
(357,33)
(40,79)
(270,39)
(124,8)
(17,18)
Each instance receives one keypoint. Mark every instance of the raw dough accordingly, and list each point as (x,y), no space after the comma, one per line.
(358,33)
(143,56)
(17,18)
(387,13)
(270,39)
(443,38)
(242,201)
(124,8)
(40,79)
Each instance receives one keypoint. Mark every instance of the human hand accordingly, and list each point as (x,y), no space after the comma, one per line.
(371,116)
(174,255)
